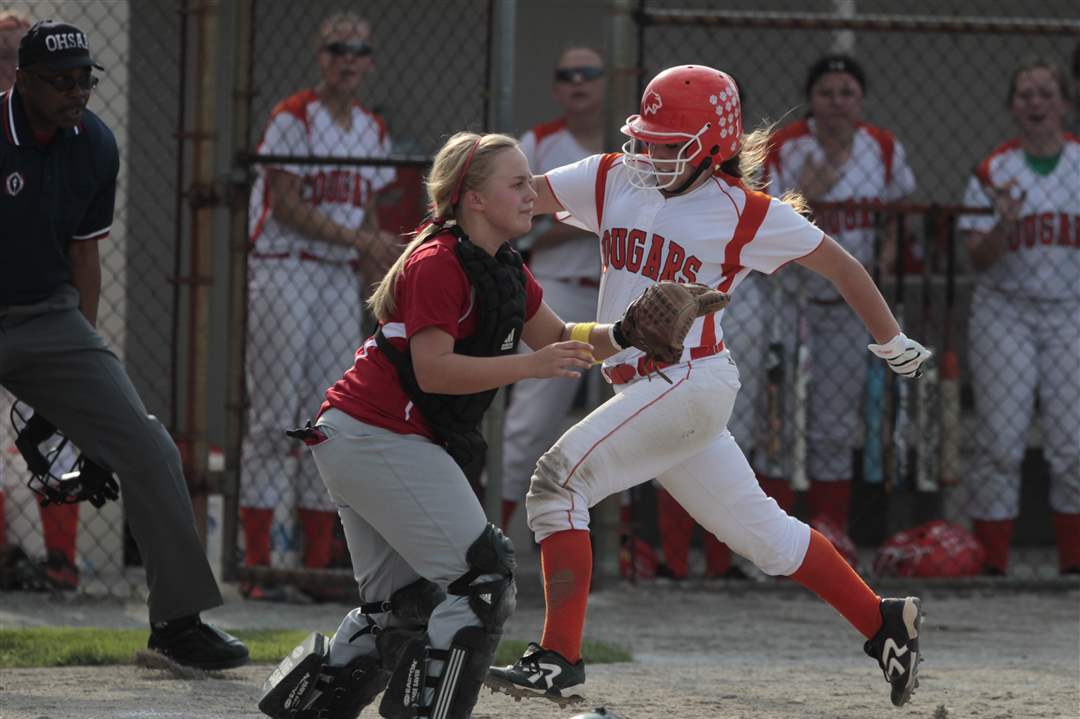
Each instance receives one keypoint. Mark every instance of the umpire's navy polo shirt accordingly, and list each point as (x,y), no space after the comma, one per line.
(50,196)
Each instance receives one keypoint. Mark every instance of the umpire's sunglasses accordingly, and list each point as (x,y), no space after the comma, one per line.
(575,74)
(67,83)
(356,48)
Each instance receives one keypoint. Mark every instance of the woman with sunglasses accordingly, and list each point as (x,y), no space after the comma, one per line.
(311,226)
(398,431)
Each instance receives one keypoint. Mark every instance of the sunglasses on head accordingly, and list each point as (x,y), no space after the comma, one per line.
(67,83)
(356,48)
(572,74)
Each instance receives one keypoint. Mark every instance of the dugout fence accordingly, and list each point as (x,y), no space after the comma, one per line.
(190,87)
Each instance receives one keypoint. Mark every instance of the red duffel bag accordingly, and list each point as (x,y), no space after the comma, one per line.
(934,549)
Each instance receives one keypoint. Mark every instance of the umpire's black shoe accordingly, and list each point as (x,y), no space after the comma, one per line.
(540,672)
(191,642)
(896,646)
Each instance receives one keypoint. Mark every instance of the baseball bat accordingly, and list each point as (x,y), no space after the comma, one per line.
(901,409)
(773,461)
(950,373)
(874,407)
(800,481)
(927,417)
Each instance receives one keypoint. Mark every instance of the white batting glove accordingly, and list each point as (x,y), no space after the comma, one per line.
(904,355)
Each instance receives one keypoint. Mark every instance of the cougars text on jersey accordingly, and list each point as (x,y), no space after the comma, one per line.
(653,256)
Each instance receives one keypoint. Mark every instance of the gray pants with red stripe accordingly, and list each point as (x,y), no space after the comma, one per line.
(54,361)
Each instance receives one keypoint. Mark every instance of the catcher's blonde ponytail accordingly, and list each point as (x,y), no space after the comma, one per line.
(464,163)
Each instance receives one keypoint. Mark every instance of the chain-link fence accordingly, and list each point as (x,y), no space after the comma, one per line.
(903,131)
(334,117)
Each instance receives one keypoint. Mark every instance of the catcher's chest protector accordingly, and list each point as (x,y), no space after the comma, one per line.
(499,291)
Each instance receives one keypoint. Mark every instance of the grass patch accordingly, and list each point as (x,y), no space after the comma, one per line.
(86,646)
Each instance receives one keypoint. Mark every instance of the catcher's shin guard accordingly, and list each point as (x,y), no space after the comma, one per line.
(304,687)
(450,692)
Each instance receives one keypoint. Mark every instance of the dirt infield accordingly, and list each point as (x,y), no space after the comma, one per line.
(699,652)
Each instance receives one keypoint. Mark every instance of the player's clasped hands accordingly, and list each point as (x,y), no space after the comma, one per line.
(1008,199)
(562,359)
(904,355)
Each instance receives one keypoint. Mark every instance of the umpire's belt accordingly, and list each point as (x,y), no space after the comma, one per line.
(302,255)
(623,373)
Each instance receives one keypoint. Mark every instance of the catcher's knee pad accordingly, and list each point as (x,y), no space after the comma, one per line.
(304,687)
(454,687)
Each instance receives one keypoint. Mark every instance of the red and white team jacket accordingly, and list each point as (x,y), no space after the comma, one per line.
(301,125)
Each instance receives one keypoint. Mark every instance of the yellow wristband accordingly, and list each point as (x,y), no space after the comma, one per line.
(581,330)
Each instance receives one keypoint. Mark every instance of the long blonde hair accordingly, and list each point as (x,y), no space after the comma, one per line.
(449,176)
(749,164)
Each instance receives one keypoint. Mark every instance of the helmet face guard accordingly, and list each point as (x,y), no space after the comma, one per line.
(648,173)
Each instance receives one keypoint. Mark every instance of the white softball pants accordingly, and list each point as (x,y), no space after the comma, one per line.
(678,434)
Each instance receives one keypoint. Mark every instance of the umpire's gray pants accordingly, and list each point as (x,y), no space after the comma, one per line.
(53,360)
(408,512)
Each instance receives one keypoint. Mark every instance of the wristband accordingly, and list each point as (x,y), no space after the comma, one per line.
(617,337)
(581,330)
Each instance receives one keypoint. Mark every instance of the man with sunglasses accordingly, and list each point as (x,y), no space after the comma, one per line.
(563,258)
(312,227)
(57,188)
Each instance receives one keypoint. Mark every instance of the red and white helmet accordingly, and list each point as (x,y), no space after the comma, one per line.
(694,105)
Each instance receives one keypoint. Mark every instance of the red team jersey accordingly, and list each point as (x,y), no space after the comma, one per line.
(432,291)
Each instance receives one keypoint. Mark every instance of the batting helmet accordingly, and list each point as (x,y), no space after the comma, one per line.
(693,106)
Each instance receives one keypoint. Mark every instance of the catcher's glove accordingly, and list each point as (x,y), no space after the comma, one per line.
(657,321)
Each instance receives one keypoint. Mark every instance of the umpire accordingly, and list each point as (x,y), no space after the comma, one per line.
(58,167)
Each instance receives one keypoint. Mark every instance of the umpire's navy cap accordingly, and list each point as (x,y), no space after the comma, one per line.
(55,45)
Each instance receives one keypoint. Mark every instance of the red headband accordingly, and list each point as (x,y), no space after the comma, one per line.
(454,198)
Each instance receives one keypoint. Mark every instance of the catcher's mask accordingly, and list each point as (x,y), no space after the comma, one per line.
(84,480)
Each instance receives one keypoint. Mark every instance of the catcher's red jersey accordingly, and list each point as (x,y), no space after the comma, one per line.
(714,235)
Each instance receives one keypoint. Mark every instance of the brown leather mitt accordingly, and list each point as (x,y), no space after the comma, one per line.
(658,320)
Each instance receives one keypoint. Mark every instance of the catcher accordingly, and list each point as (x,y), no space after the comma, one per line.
(673,206)
(436,581)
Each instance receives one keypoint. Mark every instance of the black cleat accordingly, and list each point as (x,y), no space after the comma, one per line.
(540,672)
(896,646)
(199,645)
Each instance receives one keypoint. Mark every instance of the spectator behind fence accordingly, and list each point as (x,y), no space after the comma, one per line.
(59,523)
(564,259)
(311,227)
(398,431)
(60,166)
(833,155)
(1025,314)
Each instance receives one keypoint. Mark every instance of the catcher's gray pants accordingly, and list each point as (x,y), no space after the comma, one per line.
(408,512)
(53,360)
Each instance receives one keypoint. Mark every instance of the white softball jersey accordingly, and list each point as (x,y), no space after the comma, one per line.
(1042,260)
(716,234)
(547,146)
(876,170)
(300,125)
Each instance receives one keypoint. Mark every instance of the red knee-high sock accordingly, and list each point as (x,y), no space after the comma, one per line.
(995,537)
(59,523)
(318,529)
(717,556)
(566,562)
(508,507)
(778,489)
(825,573)
(676,528)
(1067,529)
(256,523)
(832,499)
